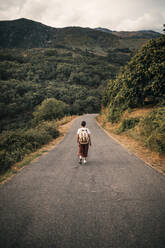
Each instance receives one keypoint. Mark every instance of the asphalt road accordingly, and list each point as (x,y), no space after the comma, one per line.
(114,201)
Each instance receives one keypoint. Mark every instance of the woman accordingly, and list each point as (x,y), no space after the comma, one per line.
(84,140)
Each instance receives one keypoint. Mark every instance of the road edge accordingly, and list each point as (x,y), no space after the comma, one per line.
(131,152)
(32,157)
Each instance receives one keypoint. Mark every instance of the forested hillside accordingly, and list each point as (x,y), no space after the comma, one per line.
(25,33)
(141,83)
(30,76)
(74,69)
(47,73)
(38,86)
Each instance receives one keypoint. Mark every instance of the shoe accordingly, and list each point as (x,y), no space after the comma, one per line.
(80,161)
(85,161)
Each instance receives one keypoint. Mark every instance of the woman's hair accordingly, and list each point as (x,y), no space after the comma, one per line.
(83,123)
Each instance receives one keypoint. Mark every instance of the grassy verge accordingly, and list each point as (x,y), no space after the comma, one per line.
(63,126)
(128,132)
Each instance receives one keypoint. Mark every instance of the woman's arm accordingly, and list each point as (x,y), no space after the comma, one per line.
(77,138)
(90,143)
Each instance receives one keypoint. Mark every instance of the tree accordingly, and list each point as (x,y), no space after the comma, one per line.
(50,109)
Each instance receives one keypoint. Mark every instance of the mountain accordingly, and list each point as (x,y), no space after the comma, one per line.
(104,30)
(24,33)
(142,34)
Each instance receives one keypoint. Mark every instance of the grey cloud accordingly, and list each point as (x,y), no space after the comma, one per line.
(10,4)
(118,14)
(151,21)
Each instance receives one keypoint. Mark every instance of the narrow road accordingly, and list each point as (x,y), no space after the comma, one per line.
(114,201)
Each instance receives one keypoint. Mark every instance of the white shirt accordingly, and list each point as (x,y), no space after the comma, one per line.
(83,128)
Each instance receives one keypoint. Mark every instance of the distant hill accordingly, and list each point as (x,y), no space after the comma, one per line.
(24,33)
(143,34)
(104,30)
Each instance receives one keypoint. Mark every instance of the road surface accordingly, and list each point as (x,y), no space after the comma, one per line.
(114,201)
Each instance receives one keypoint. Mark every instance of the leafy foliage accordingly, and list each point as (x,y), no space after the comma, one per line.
(140,82)
(50,109)
(15,144)
(27,77)
(39,85)
(153,130)
(127,124)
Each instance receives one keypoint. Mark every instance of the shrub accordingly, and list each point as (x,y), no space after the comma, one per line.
(5,161)
(127,124)
(50,109)
(50,127)
(36,138)
(114,114)
(14,145)
(153,130)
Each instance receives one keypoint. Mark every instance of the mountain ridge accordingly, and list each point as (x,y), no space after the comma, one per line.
(26,33)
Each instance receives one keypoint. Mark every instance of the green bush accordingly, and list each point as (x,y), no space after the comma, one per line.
(114,114)
(153,130)
(127,124)
(50,127)
(14,145)
(50,109)
(36,138)
(6,160)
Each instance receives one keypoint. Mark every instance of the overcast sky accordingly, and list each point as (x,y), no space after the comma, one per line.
(113,14)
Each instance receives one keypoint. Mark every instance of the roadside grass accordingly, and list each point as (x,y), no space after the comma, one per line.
(127,124)
(132,139)
(63,126)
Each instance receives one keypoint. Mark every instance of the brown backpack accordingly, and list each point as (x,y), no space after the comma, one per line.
(83,136)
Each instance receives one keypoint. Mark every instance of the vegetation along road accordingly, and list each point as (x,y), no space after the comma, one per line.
(114,201)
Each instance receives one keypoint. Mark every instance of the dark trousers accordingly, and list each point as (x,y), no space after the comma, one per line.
(83,150)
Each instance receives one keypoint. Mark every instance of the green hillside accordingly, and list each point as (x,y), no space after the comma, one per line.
(47,73)
(39,84)
(24,33)
(141,83)
(29,76)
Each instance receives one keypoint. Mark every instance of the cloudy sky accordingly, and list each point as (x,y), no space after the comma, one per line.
(112,14)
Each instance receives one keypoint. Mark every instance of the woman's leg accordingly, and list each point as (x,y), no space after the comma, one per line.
(86,146)
(80,153)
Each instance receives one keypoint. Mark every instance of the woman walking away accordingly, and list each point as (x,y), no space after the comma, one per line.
(83,140)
